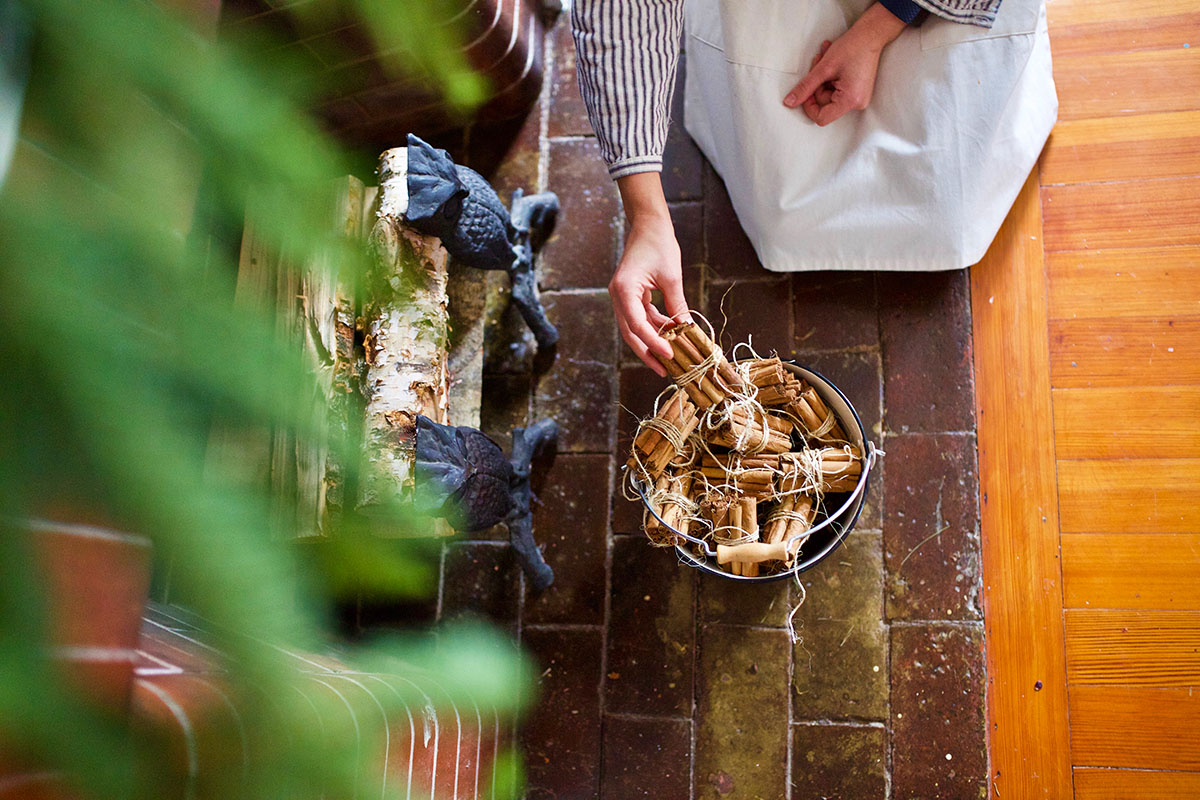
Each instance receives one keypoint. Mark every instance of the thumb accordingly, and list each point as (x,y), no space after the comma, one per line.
(804,89)
(836,108)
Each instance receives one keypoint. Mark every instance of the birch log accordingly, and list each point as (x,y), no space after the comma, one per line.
(309,298)
(406,336)
(327,306)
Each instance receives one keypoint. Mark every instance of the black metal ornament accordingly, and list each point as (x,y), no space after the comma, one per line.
(464,476)
(458,206)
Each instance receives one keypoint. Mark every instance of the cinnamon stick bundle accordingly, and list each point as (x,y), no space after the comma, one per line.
(782,537)
(788,521)
(741,430)
(833,469)
(733,518)
(671,510)
(655,444)
(755,483)
(736,461)
(691,348)
(746,520)
(776,385)
(820,423)
(716,508)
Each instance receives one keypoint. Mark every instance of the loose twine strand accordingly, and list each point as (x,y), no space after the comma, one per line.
(791,617)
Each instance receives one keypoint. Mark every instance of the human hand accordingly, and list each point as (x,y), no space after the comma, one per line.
(841,77)
(651,261)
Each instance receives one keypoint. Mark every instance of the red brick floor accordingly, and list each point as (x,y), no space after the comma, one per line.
(658,681)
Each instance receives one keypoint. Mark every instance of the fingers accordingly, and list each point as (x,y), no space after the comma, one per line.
(659,320)
(801,95)
(811,108)
(636,330)
(639,349)
(807,85)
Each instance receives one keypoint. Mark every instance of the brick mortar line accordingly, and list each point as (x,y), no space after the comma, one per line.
(954,623)
(846,723)
(564,138)
(575,290)
(889,754)
(646,717)
(582,627)
(743,626)
(857,349)
(602,683)
(788,762)
(694,706)
(766,277)
(895,434)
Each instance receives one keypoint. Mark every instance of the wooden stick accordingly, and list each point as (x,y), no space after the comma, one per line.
(751,553)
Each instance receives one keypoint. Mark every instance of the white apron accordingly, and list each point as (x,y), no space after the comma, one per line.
(920,180)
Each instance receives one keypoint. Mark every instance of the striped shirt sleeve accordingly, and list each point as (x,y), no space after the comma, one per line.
(627,52)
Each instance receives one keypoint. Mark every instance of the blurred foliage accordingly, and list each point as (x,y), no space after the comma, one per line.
(120,345)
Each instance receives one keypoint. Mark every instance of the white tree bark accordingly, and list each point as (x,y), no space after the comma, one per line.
(406,338)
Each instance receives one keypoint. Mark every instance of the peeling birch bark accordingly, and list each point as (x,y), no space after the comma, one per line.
(406,337)
(328,321)
(315,310)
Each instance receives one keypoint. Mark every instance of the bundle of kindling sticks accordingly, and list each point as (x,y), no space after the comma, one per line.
(741,455)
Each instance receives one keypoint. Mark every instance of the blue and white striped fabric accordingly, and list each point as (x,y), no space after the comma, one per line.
(627,53)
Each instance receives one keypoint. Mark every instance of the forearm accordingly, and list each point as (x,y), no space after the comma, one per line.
(643,199)
(878,26)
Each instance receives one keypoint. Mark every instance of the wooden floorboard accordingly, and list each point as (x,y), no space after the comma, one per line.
(1117,438)
(1128,784)
(1064,15)
(1154,282)
(1131,570)
(1139,82)
(1129,495)
(1121,422)
(1124,148)
(1115,726)
(1165,32)
(1133,648)
(1143,213)
(1123,351)
(1028,733)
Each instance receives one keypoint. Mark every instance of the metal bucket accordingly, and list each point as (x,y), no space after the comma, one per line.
(824,537)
